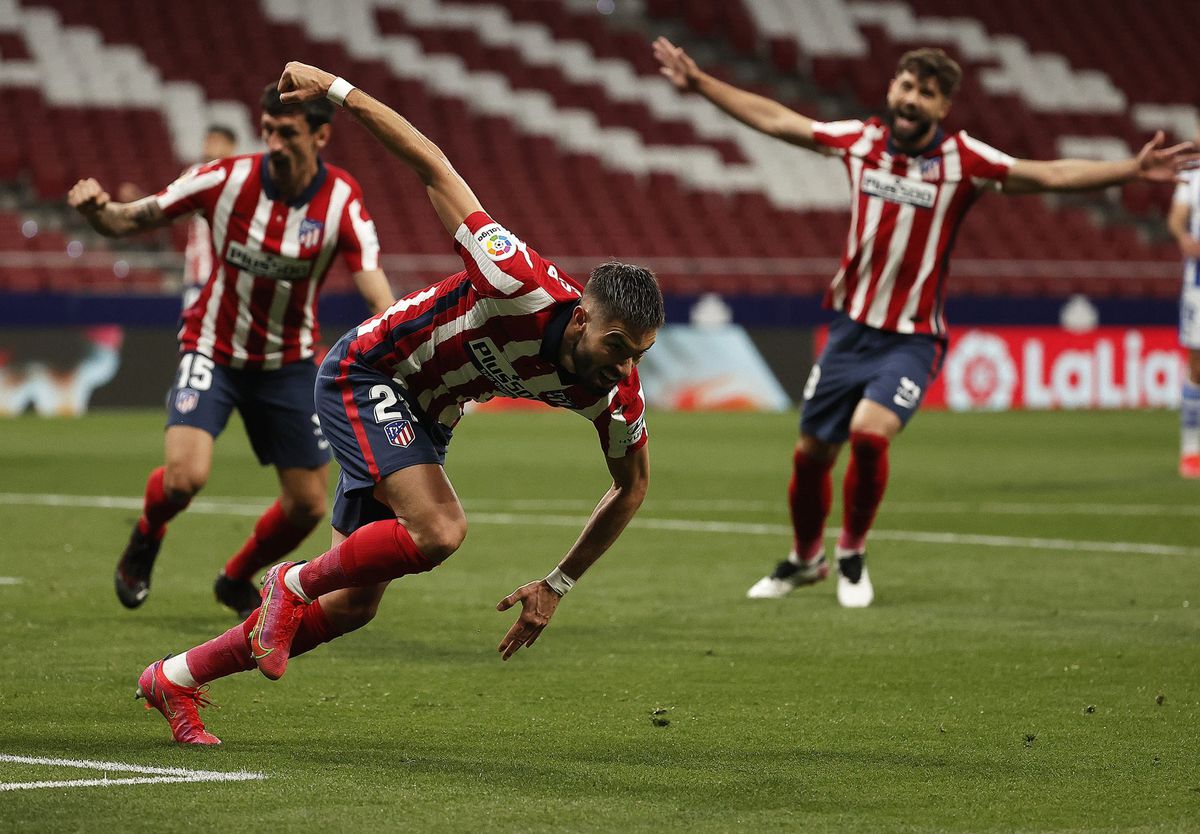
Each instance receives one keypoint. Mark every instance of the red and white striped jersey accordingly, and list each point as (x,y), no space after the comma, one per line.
(494,330)
(904,215)
(258,308)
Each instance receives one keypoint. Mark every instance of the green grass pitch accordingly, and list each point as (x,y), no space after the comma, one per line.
(1018,672)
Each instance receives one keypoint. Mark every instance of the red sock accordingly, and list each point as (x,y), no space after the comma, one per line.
(157,508)
(315,629)
(224,655)
(862,491)
(809,494)
(373,553)
(229,653)
(273,538)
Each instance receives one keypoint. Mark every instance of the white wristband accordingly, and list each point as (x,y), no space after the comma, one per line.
(559,582)
(338,90)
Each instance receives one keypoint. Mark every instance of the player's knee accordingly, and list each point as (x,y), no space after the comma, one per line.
(181,483)
(439,538)
(867,445)
(305,511)
(817,450)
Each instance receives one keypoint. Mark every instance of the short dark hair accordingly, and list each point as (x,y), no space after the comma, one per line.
(316,112)
(929,62)
(627,293)
(225,130)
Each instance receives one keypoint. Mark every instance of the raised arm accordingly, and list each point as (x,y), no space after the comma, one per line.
(762,114)
(114,219)
(1154,164)
(451,196)
(539,599)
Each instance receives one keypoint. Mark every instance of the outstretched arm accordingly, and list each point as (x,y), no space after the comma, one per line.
(1154,164)
(762,114)
(451,196)
(631,477)
(114,219)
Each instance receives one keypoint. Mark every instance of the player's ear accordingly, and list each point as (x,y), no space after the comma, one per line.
(321,135)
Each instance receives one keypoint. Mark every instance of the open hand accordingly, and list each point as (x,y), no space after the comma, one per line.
(87,197)
(538,603)
(677,65)
(301,82)
(1159,164)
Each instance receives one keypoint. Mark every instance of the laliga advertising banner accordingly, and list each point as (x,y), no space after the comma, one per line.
(1001,368)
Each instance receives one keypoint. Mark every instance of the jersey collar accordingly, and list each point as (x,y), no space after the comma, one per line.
(552,341)
(305,196)
(938,137)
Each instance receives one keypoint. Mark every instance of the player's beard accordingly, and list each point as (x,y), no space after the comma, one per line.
(908,136)
(590,373)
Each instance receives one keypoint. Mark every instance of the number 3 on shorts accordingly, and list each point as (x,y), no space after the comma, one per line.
(387,400)
(195,372)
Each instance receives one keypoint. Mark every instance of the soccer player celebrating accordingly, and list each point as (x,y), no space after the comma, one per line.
(1184,223)
(912,183)
(276,220)
(389,395)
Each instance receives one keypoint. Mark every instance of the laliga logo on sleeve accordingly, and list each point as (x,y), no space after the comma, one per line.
(980,374)
(498,242)
(499,246)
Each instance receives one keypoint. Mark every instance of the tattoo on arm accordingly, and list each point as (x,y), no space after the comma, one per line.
(144,214)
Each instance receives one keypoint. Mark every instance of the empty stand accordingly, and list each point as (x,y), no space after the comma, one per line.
(567,132)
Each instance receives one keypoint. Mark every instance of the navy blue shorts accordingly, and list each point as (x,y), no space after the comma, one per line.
(276,408)
(864,363)
(374,432)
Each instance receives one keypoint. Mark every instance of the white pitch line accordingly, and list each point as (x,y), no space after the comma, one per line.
(11,580)
(932,537)
(153,775)
(250,507)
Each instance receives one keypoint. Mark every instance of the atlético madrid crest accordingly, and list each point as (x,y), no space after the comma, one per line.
(310,232)
(186,400)
(400,433)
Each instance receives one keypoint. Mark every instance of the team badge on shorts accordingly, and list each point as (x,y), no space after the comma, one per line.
(186,400)
(400,433)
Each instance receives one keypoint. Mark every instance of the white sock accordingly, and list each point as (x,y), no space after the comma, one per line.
(292,580)
(795,559)
(845,552)
(175,669)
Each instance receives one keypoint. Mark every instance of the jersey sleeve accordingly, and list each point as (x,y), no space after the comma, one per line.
(837,137)
(986,167)
(196,189)
(621,425)
(501,265)
(1183,191)
(357,239)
